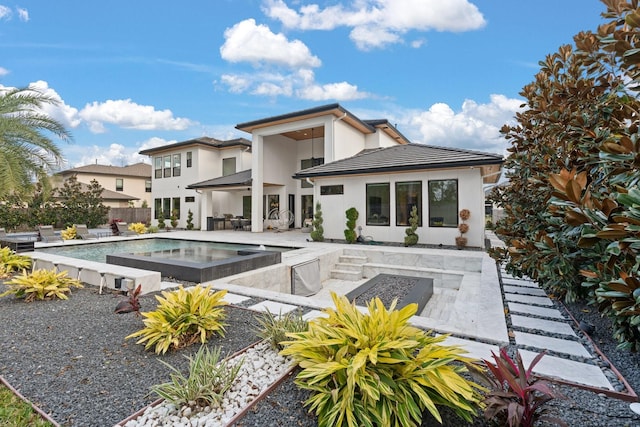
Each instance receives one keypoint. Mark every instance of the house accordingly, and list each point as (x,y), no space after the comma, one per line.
(122,185)
(328,155)
(177,166)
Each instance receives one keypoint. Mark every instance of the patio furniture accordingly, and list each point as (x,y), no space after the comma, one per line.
(245,224)
(236,224)
(3,233)
(47,235)
(123,230)
(83,232)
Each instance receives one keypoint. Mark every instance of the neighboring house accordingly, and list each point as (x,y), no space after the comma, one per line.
(329,155)
(122,184)
(176,166)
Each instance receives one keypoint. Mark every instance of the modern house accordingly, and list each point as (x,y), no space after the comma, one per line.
(123,185)
(328,155)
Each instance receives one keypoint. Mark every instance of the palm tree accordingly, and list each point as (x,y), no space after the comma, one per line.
(26,151)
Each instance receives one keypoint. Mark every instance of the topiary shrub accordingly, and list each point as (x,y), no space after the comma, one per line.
(375,369)
(317,235)
(350,232)
(411,237)
(190,220)
(183,317)
(161,224)
(174,218)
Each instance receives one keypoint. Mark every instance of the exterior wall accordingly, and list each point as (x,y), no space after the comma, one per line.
(132,186)
(347,141)
(380,140)
(470,196)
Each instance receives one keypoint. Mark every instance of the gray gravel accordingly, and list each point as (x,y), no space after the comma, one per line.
(71,359)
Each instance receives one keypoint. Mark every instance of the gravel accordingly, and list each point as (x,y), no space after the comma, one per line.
(72,360)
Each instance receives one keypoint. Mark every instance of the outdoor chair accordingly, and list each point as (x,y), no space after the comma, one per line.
(83,232)
(123,229)
(47,235)
(3,233)
(236,224)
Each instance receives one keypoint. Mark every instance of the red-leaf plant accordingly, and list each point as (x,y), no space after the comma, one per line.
(132,304)
(515,397)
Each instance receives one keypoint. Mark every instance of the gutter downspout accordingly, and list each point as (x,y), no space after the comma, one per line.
(309,182)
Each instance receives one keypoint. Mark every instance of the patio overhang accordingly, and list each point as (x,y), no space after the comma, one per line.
(234,182)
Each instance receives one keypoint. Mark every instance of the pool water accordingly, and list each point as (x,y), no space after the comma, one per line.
(185,250)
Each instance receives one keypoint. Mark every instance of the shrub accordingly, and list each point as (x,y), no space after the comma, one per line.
(138,227)
(317,235)
(190,220)
(161,224)
(10,262)
(174,218)
(515,396)
(411,237)
(209,378)
(41,285)
(181,318)
(69,233)
(352,217)
(376,369)
(275,328)
(152,229)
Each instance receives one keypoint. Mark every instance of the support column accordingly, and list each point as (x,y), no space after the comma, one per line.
(257,183)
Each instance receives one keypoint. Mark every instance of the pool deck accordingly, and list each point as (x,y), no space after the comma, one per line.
(475,314)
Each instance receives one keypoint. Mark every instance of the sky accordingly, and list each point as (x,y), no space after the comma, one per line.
(131,75)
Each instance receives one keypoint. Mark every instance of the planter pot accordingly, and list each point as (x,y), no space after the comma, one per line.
(461,242)
(227,416)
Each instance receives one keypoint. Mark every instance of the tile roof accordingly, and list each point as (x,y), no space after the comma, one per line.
(402,158)
(136,170)
(106,194)
(236,179)
(204,141)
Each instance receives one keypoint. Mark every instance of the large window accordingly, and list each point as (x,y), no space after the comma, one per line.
(443,203)
(228,166)
(119,184)
(167,166)
(246,206)
(189,159)
(309,163)
(176,207)
(147,186)
(306,203)
(158,167)
(378,207)
(166,207)
(408,195)
(176,164)
(157,208)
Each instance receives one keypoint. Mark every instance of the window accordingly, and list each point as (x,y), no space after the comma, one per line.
(306,204)
(147,186)
(273,206)
(176,207)
(443,203)
(228,166)
(176,164)
(330,190)
(166,207)
(167,166)
(309,163)
(158,167)
(157,207)
(119,184)
(378,204)
(246,206)
(408,195)
(189,199)
(189,158)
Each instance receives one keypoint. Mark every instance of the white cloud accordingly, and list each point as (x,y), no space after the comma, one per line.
(342,91)
(3,71)
(115,154)
(153,143)
(377,23)
(257,44)
(23,14)
(5,12)
(128,114)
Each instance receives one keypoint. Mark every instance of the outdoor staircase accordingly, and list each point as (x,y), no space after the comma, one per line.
(349,267)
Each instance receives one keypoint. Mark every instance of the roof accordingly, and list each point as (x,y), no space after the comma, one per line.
(408,157)
(107,195)
(202,141)
(234,180)
(339,112)
(142,170)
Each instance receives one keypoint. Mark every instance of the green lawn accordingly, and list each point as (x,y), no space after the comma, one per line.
(16,413)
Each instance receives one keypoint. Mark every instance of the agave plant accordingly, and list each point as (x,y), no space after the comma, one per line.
(41,285)
(182,317)
(516,397)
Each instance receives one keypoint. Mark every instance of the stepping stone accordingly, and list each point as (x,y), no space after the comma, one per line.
(568,370)
(314,314)
(519,282)
(475,349)
(558,345)
(523,290)
(235,298)
(526,299)
(552,313)
(275,308)
(543,325)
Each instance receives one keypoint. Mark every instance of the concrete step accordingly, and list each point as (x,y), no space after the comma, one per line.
(352,259)
(352,276)
(347,266)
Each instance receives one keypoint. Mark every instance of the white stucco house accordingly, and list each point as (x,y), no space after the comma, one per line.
(328,155)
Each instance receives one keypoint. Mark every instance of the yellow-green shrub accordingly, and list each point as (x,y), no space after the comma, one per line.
(376,370)
(138,227)
(10,262)
(69,233)
(41,284)
(183,317)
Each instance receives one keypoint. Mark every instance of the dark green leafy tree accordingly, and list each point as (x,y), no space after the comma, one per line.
(41,208)
(26,150)
(350,232)
(77,205)
(12,212)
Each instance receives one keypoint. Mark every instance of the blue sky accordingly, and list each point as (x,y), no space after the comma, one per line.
(131,75)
